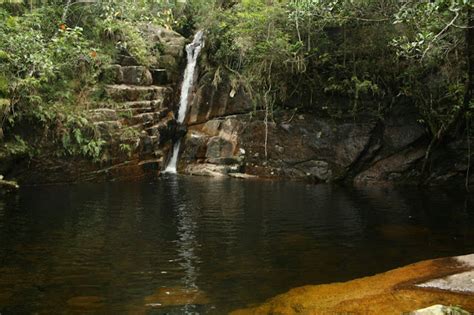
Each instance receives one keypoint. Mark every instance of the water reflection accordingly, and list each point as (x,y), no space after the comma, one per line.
(198,245)
(186,243)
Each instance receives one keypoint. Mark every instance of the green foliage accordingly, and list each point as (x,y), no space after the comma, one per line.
(432,52)
(126,148)
(51,55)
(346,56)
(15,147)
(305,50)
(43,66)
(333,55)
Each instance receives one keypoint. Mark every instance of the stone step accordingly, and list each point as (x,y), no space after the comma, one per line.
(148,143)
(132,75)
(129,112)
(137,75)
(108,129)
(126,60)
(155,104)
(156,129)
(144,118)
(102,114)
(130,93)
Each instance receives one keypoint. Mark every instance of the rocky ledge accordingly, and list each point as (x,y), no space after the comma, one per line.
(448,281)
(228,135)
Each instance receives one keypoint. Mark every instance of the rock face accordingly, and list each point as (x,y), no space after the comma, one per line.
(137,122)
(309,147)
(210,102)
(169,50)
(225,135)
(365,150)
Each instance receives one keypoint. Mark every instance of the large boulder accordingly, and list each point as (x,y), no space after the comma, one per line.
(217,101)
(195,147)
(218,147)
(168,47)
(391,168)
(137,75)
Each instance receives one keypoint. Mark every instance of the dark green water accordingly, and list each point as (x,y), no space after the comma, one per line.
(105,248)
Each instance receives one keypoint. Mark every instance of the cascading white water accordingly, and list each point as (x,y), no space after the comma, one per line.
(192,51)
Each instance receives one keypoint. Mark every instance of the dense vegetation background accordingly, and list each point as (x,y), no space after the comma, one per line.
(339,57)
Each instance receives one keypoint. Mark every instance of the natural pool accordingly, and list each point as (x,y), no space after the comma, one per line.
(203,245)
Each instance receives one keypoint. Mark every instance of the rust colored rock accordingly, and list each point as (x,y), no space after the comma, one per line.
(394,292)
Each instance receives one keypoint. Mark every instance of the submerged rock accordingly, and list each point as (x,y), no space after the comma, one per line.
(394,292)
(176,296)
(86,302)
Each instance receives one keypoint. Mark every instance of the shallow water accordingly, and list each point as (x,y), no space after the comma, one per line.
(199,245)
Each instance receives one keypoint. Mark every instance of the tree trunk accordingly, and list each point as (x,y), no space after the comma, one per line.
(469,92)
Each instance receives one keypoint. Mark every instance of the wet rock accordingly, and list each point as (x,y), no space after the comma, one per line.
(218,147)
(211,170)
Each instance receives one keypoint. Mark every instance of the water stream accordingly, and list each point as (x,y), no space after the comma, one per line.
(189,78)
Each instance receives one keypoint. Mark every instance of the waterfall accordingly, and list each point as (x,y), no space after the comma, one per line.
(192,51)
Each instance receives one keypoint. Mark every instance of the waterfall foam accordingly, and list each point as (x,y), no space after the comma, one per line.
(192,51)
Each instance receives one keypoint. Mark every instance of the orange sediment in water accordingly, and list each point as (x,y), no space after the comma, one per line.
(177,296)
(393,292)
